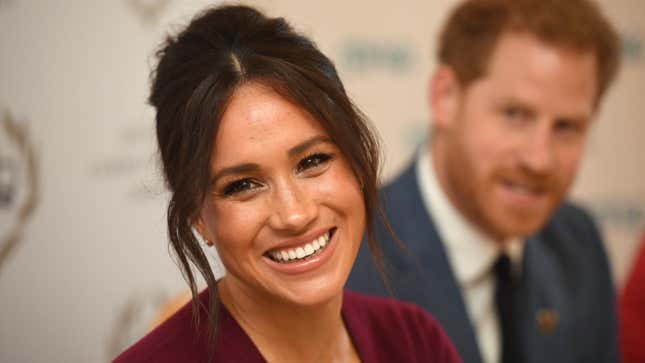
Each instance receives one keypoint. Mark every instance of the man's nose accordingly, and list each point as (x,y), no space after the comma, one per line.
(538,150)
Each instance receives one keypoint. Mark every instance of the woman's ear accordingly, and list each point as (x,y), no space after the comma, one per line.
(201,229)
(443,96)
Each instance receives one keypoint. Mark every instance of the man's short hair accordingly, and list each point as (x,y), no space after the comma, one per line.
(470,34)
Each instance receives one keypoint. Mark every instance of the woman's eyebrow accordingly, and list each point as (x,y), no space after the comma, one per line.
(235,169)
(252,167)
(307,144)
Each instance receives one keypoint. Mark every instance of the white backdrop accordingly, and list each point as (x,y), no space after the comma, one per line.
(90,263)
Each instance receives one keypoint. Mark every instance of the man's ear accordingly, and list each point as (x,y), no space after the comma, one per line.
(200,227)
(444,93)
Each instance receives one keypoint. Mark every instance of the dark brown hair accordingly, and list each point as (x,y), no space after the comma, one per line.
(198,71)
(470,34)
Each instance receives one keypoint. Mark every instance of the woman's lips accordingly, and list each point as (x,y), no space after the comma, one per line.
(305,257)
(297,253)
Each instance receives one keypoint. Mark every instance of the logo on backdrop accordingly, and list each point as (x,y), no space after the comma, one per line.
(132,159)
(18,183)
(627,213)
(632,46)
(361,56)
(148,11)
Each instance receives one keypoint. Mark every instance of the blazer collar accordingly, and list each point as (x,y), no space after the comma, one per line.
(425,264)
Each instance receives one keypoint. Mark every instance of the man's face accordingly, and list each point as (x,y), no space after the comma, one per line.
(507,146)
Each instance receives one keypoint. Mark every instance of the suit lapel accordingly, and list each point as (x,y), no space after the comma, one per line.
(424,274)
(544,312)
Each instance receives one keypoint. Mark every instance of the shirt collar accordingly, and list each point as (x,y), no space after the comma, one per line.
(471,253)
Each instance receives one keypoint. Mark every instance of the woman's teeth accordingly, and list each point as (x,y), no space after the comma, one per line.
(301,252)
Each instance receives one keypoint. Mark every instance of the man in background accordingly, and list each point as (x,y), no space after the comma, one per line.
(511,271)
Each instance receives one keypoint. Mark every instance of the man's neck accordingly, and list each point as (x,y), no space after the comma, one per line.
(438,164)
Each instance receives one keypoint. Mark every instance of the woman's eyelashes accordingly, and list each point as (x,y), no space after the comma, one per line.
(239,186)
(310,165)
(313,162)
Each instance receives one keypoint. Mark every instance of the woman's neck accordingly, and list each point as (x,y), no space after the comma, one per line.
(288,332)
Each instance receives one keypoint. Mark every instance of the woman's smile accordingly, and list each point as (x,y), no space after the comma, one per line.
(306,257)
(294,252)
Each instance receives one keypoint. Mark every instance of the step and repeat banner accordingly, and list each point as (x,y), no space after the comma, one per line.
(84,262)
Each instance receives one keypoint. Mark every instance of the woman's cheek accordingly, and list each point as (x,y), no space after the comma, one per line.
(237,222)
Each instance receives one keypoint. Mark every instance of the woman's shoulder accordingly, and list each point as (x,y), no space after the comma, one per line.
(389,328)
(176,339)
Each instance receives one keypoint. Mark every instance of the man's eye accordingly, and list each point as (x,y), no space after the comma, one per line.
(239,186)
(312,161)
(564,125)
(511,112)
(515,113)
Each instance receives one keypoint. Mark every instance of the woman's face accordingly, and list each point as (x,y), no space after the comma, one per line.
(285,210)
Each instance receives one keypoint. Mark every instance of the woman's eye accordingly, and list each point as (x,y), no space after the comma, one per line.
(312,161)
(239,186)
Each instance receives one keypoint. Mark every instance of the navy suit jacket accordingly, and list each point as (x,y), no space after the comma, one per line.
(565,271)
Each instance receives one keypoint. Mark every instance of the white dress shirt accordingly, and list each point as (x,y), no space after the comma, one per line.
(471,254)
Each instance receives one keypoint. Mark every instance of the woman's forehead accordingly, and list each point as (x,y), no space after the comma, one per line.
(259,120)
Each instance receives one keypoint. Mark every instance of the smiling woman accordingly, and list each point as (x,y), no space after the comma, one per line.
(268,159)
(285,209)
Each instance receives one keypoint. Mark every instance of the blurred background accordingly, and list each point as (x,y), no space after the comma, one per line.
(84,261)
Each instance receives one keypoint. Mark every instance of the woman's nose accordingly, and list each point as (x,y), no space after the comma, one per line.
(293,207)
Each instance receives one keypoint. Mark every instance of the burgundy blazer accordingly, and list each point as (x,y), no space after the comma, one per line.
(632,312)
(382,330)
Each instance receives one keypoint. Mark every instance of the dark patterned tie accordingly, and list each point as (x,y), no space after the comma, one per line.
(504,301)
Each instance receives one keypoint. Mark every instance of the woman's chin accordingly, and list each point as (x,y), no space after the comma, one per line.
(309,297)
(295,291)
